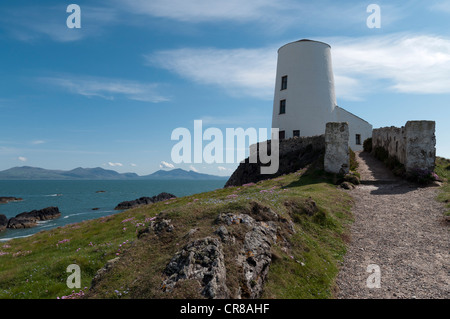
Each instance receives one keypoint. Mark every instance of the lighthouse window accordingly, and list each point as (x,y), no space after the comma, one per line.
(282,106)
(284,82)
(358,139)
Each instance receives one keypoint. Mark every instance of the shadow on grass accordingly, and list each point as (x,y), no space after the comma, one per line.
(314,175)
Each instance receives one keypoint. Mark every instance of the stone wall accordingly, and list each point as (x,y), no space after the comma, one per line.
(337,155)
(413,145)
(294,154)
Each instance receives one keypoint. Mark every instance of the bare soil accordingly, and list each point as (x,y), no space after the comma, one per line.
(400,228)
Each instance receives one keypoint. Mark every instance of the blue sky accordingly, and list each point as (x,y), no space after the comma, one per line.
(110,93)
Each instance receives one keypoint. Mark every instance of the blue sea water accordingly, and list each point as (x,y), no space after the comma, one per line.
(76,199)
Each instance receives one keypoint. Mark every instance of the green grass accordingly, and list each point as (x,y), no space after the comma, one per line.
(35,267)
(442,169)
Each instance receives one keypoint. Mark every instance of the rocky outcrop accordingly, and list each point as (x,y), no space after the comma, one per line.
(30,219)
(4,200)
(158,227)
(255,255)
(202,260)
(251,234)
(294,154)
(101,272)
(144,201)
(3,222)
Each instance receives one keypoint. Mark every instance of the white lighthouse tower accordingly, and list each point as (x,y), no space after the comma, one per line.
(305,98)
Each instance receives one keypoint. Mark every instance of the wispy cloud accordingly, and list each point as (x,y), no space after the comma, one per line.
(192,168)
(273,15)
(22,159)
(115,164)
(405,63)
(204,10)
(107,88)
(31,23)
(400,63)
(249,72)
(37,142)
(164,164)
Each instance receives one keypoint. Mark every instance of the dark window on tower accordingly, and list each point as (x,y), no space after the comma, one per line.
(296,133)
(284,82)
(281,135)
(282,106)
(358,139)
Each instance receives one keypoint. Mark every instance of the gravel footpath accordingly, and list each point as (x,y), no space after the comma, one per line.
(400,229)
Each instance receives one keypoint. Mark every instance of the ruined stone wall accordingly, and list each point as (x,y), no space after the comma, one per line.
(294,154)
(337,155)
(414,144)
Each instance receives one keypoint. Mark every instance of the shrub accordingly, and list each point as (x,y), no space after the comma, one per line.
(353,162)
(380,153)
(367,145)
(422,176)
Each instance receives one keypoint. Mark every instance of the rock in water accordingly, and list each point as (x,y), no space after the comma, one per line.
(30,219)
(3,222)
(4,200)
(144,201)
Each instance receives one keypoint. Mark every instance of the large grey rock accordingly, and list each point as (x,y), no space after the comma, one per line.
(202,260)
(255,254)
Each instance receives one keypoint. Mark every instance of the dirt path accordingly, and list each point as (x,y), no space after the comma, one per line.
(399,230)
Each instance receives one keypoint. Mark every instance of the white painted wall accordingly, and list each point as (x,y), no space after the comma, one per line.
(310,95)
(356,125)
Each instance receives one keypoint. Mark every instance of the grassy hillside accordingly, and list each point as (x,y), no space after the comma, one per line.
(443,170)
(35,267)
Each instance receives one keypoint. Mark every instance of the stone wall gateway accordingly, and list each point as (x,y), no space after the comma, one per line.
(413,145)
(337,155)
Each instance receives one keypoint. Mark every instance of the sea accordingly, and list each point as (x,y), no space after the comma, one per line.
(77,199)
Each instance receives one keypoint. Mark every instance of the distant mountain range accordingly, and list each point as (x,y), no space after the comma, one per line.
(98,173)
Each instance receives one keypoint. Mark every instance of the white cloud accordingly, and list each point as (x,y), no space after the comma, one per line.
(31,23)
(133,165)
(115,164)
(205,10)
(164,164)
(107,88)
(192,168)
(22,159)
(221,168)
(37,142)
(400,63)
(405,63)
(248,72)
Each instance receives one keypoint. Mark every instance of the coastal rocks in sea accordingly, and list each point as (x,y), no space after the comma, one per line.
(3,222)
(30,219)
(4,200)
(201,260)
(144,201)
